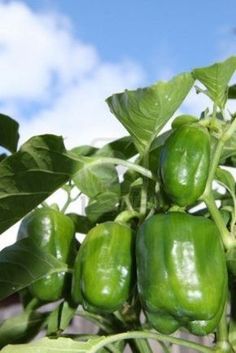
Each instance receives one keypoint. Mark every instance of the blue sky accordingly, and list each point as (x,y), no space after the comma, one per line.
(157,34)
(60,59)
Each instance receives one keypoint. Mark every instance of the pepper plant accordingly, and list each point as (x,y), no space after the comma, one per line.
(159,249)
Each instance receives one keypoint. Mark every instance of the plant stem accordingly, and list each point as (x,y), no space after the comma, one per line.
(217,154)
(144,171)
(128,203)
(151,335)
(222,335)
(117,161)
(144,191)
(227,239)
(229,132)
(207,196)
(101,322)
(165,348)
(126,216)
(213,166)
(140,346)
(69,200)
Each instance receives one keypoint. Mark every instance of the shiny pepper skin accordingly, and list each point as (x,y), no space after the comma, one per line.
(104,268)
(53,232)
(181,272)
(184,164)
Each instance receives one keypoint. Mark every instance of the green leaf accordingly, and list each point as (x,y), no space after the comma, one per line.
(82,223)
(101,204)
(123,148)
(30,175)
(9,134)
(229,149)
(84,150)
(93,179)
(21,327)
(59,345)
(145,111)
(232,92)
(226,178)
(23,263)
(131,179)
(216,78)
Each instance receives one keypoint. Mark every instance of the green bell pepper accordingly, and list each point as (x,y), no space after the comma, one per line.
(182,273)
(53,232)
(184,163)
(104,268)
(183,120)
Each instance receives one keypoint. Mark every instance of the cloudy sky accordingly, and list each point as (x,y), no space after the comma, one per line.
(60,59)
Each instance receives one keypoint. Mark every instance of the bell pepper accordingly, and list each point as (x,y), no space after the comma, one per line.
(53,232)
(183,120)
(184,163)
(181,272)
(104,268)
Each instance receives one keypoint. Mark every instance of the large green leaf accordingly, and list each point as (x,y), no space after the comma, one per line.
(21,328)
(101,204)
(23,263)
(226,179)
(30,175)
(145,111)
(93,179)
(122,148)
(81,222)
(9,134)
(84,150)
(216,78)
(60,345)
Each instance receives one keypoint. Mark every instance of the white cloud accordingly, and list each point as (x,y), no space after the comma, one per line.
(80,113)
(44,65)
(37,52)
(51,82)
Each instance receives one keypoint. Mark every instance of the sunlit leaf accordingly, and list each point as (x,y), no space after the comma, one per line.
(93,179)
(60,345)
(22,327)
(102,203)
(216,78)
(30,175)
(145,111)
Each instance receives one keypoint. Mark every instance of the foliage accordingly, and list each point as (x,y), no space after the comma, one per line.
(125,182)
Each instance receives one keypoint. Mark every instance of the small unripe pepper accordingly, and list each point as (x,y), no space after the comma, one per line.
(184,163)
(53,232)
(104,268)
